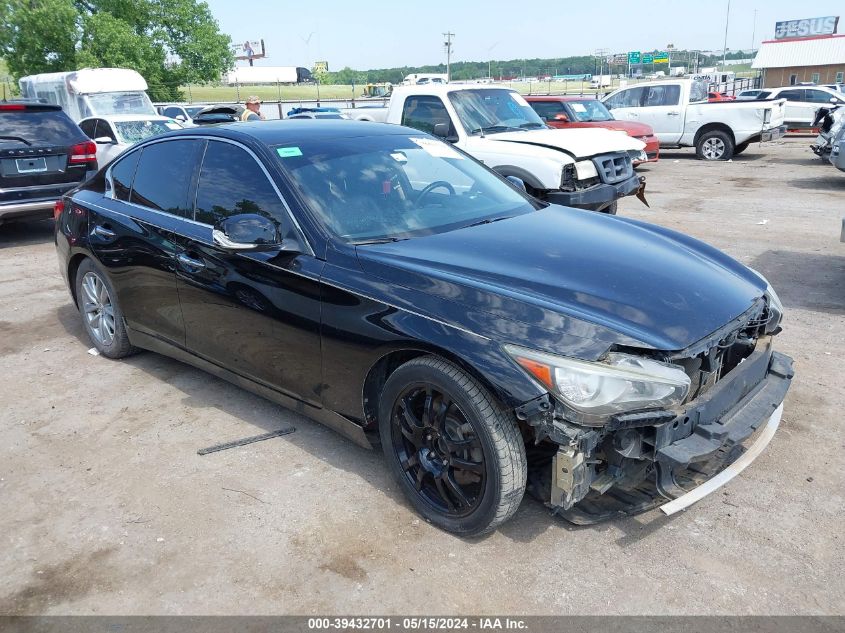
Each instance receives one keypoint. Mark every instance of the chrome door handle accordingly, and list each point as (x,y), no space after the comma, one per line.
(101,231)
(189,262)
(673,113)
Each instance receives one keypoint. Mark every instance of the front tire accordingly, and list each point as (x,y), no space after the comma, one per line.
(715,145)
(101,314)
(456,452)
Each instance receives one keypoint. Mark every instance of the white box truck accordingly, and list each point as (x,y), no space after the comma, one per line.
(91,92)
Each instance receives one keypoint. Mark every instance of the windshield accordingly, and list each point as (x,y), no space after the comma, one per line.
(387,188)
(589,110)
(104,103)
(193,110)
(135,131)
(496,110)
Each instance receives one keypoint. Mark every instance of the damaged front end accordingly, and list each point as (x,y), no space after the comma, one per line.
(627,434)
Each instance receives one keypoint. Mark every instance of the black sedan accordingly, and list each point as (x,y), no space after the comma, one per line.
(386,284)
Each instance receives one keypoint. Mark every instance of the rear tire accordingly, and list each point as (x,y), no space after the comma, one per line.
(101,314)
(456,452)
(715,145)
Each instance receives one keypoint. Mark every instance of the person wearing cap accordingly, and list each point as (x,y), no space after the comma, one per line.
(253,110)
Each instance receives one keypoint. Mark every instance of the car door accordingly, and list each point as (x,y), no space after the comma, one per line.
(254,313)
(132,231)
(626,104)
(797,110)
(820,99)
(661,109)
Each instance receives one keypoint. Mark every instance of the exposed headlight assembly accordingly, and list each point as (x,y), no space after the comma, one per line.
(586,170)
(621,382)
(773,302)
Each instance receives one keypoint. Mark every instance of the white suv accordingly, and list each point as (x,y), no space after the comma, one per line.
(802,102)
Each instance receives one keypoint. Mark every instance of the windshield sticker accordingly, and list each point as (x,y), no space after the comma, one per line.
(436,148)
(578,107)
(399,157)
(518,98)
(288,152)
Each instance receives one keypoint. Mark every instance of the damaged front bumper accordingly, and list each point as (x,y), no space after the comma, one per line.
(638,461)
(599,196)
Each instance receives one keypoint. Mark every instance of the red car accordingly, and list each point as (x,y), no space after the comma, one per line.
(715,97)
(572,112)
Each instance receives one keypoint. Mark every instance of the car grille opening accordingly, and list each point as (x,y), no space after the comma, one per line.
(614,168)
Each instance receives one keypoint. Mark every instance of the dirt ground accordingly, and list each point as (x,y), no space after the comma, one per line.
(106,508)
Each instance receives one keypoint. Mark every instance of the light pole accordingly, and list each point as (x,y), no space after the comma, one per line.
(489,60)
(725,46)
(448,46)
(753,31)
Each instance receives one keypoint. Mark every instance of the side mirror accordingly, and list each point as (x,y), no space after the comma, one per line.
(246,232)
(835,101)
(181,118)
(516,182)
(105,140)
(562,117)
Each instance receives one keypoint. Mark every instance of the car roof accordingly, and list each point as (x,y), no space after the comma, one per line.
(810,87)
(439,89)
(129,117)
(281,131)
(553,98)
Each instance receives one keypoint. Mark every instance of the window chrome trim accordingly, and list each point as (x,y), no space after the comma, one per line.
(297,227)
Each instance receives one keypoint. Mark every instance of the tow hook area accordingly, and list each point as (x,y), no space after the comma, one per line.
(641,192)
(570,481)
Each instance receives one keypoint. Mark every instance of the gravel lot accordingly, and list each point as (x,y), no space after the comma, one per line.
(105,507)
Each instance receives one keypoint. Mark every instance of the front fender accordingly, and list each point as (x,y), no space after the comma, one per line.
(357,331)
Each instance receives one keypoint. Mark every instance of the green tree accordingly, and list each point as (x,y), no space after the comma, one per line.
(170,42)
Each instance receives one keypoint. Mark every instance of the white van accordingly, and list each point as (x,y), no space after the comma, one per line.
(91,92)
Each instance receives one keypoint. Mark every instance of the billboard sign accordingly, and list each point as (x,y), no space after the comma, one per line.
(321,67)
(634,57)
(660,58)
(806,28)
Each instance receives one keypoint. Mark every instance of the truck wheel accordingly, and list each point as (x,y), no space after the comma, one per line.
(715,145)
(457,453)
(739,149)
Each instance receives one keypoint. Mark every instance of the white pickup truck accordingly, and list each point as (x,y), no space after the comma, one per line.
(586,168)
(681,116)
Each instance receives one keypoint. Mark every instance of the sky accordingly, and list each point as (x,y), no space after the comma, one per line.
(366,34)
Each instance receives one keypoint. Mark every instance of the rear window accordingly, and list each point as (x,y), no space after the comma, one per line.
(51,127)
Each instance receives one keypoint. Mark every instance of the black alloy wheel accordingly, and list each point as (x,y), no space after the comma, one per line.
(438,450)
(457,453)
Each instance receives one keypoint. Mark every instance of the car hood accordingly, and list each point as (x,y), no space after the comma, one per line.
(632,128)
(577,273)
(581,143)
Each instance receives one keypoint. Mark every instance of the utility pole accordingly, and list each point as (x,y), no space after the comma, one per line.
(601,53)
(725,46)
(754,31)
(448,46)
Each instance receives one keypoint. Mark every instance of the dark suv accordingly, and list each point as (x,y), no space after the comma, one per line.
(43,154)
